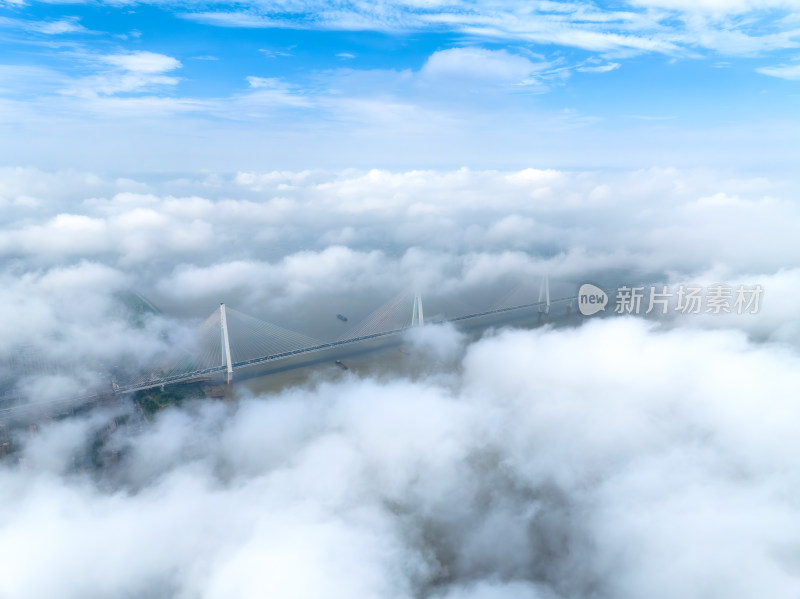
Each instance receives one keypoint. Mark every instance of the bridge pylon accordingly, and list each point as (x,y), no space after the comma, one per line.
(544,291)
(225,342)
(417,318)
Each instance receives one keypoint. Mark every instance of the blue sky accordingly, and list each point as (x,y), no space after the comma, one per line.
(170,86)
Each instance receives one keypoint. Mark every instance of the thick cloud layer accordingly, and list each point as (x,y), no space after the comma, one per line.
(613,460)
(483,209)
(621,458)
(281,245)
(298,232)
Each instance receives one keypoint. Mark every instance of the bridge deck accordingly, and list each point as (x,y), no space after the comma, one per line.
(197,374)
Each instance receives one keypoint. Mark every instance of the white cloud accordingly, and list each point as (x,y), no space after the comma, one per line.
(530,210)
(282,244)
(130,72)
(269,53)
(512,478)
(58,27)
(295,248)
(142,62)
(672,27)
(266,82)
(719,7)
(790,72)
(458,102)
(478,63)
(270,92)
(546,463)
(438,344)
(233,19)
(604,68)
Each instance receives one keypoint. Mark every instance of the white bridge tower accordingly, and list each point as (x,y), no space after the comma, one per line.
(225,342)
(417,319)
(544,290)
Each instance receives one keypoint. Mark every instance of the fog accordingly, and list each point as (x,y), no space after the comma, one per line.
(612,460)
(621,457)
(295,248)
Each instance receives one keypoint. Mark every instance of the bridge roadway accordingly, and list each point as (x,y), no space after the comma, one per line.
(189,376)
(198,374)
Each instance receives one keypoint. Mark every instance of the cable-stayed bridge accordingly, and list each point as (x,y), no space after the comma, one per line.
(229,340)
